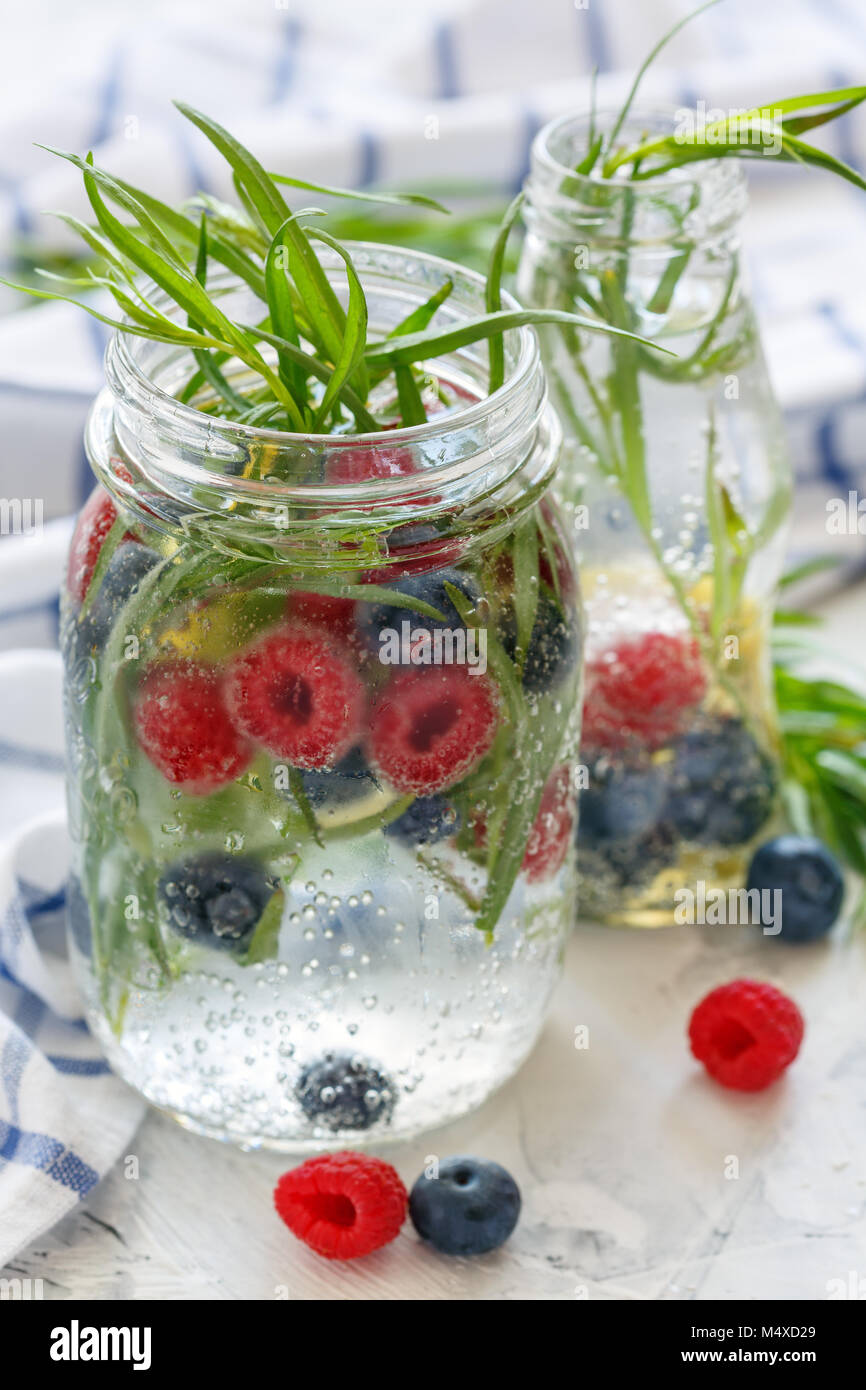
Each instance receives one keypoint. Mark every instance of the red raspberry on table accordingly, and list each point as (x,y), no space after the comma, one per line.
(297,693)
(329,611)
(430,727)
(184,727)
(342,1205)
(95,520)
(746,1033)
(551,834)
(641,690)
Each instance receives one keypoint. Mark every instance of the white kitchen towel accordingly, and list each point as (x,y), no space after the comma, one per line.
(380,91)
(65,1120)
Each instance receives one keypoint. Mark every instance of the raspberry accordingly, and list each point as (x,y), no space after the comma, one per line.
(365,462)
(642,690)
(95,520)
(429,728)
(342,1205)
(330,611)
(184,727)
(746,1033)
(297,693)
(550,836)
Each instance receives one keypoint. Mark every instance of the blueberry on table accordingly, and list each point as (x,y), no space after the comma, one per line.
(216,899)
(809,879)
(471,1207)
(428,819)
(345,1091)
(721,784)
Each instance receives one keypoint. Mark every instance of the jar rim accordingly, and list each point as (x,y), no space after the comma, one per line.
(480,455)
(122,366)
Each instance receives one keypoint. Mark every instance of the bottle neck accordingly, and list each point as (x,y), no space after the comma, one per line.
(696,208)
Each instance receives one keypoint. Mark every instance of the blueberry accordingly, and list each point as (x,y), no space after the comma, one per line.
(342,1091)
(621,801)
(123,574)
(410,536)
(627,863)
(621,830)
(216,899)
(78,916)
(428,819)
(350,780)
(810,880)
(721,784)
(470,1208)
(373,618)
(553,646)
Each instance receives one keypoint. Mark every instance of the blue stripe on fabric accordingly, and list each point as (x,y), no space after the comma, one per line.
(530,126)
(6,974)
(61,393)
(34,759)
(13,929)
(599,48)
(80,1066)
(445,60)
(49,1156)
(21,214)
(46,606)
(37,904)
(86,480)
(688,97)
(99,334)
(16,1055)
(79,1024)
(368,173)
(29,1013)
(108,100)
(832,467)
(286,65)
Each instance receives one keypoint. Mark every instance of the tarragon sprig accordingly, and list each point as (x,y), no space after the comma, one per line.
(307,359)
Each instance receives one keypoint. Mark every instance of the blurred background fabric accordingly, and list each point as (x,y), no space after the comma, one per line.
(429,94)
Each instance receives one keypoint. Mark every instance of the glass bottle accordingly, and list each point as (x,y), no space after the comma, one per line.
(675,478)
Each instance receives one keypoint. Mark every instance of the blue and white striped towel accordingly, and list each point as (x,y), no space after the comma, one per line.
(64,1119)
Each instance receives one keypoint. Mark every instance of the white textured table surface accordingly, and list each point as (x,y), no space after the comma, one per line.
(623,1152)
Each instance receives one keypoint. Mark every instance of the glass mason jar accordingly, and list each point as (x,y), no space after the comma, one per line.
(322,698)
(675,476)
